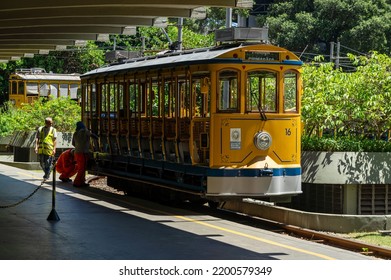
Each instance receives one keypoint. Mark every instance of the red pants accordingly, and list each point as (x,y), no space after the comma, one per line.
(81,161)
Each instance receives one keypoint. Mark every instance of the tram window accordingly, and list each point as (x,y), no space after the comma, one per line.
(104,95)
(64,90)
(133,97)
(94,100)
(290,92)
(154,96)
(113,104)
(73,91)
(32,88)
(44,89)
(17,88)
(143,97)
(200,91)
(87,100)
(54,90)
(184,95)
(261,91)
(169,99)
(14,87)
(228,91)
(21,88)
(121,97)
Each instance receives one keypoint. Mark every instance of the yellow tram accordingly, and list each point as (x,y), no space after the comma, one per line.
(217,123)
(27,85)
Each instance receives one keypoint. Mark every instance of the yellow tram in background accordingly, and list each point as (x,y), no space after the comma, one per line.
(216,124)
(27,85)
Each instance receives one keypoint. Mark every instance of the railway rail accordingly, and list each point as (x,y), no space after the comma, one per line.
(335,240)
(330,239)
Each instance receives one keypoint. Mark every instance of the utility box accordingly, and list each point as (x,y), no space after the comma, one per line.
(242,34)
(5,143)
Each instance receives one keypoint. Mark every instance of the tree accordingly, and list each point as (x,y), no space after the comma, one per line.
(313,24)
(348,104)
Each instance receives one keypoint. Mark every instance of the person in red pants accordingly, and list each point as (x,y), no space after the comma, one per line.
(66,165)
(81,142)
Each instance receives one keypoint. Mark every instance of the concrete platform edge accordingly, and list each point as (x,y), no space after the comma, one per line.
(315,221)
(23,165)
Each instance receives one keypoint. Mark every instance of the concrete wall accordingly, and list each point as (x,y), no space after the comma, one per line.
(23,144)
(347,168)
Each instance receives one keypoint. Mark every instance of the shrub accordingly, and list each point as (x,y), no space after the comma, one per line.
(64,111)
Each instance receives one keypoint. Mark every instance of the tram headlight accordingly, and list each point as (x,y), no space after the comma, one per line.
(262,140)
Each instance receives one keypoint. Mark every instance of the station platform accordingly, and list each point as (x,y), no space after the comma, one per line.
(36,229)
(90,224)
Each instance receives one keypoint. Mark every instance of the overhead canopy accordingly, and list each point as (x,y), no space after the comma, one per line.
(28,27)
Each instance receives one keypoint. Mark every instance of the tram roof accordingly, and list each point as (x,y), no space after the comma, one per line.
(48,77)
(198,56)
(30,27)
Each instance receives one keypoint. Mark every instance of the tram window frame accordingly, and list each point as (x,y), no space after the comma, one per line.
(73,90)
(87,99)
(44,89)
(103,101)
(17,87)
(113,103)
(63,90)
(228,102)
(143,90)
(169,97)
(264,101)
(133,92)
(121,99)
(184,96)
(291,107)
(32,88)
(93,98)
(54,89)
(14,87)
(154,95)
(200,90)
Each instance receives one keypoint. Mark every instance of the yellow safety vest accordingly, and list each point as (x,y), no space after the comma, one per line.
(46,142)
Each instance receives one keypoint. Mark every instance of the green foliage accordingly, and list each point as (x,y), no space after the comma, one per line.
(343,144)
(348,104)
(64,111)
(157,40)
(313,24)
(350,110)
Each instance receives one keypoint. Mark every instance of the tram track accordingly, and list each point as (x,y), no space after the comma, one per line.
(335,240)
(329,239)
(326,238)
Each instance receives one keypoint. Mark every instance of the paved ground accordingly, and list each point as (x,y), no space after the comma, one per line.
(96,227)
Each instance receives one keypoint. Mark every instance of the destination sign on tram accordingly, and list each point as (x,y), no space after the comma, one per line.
(263,56)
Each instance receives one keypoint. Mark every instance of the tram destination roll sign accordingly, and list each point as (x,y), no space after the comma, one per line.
(262,56)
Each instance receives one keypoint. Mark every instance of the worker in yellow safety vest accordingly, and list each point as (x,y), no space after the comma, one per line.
(45,146)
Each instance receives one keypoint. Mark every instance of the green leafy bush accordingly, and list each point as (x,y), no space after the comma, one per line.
(64,112)
(344,144)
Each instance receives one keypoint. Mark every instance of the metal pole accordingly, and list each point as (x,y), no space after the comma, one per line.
(180,33)
(228,18)
(331,51)
(338,55)
(53,216)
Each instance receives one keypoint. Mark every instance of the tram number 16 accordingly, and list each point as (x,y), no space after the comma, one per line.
(288,132)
